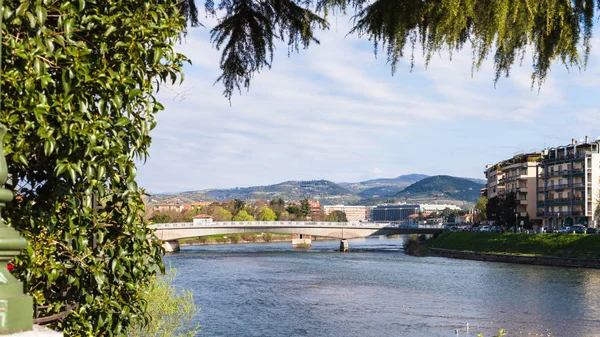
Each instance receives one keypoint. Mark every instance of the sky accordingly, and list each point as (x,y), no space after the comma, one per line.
(334,111)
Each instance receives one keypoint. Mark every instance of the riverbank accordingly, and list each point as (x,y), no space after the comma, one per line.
(241,238)
(543,249)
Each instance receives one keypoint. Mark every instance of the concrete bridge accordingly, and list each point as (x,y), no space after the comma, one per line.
(169,233)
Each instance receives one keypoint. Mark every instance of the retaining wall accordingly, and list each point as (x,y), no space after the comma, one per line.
(537,260)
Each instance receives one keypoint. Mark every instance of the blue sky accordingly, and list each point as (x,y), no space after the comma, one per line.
(334,112)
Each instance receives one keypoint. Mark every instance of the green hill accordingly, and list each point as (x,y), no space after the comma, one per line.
(322,190)
(443,188)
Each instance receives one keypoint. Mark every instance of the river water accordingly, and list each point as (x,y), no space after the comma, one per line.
(270,289)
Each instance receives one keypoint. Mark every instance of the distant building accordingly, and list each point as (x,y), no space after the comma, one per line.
(402,213)
(315,209)
(353,213)
(167,207)
(516,175)
(187,207)
(202,219)
(177,206)
(393,213)
(568,186)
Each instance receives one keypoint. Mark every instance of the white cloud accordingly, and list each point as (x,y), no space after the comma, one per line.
(333,110)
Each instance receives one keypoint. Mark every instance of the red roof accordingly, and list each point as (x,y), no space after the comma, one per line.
(203,216)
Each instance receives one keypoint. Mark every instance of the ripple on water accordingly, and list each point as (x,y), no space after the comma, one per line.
(376,290)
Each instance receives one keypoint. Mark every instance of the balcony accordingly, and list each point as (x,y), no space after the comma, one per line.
(562,157)
(557,187)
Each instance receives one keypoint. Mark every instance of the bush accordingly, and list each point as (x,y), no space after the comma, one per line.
(236,238)
(78,97)
(268,237)
(171,313)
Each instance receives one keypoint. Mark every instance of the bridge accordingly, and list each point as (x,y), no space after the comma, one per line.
(169,233)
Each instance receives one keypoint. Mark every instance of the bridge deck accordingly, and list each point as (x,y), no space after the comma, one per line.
(342,230)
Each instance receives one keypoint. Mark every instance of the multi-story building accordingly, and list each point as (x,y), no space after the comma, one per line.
(516,175)
(493,175)
(402,213)
(315,209)
(353,213)
(568,188)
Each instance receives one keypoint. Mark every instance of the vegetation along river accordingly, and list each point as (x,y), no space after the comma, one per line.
(270,289)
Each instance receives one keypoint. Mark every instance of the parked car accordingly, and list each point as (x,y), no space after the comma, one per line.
(548,229)
(590,230)
(565,230)
(578,229)
(497,229)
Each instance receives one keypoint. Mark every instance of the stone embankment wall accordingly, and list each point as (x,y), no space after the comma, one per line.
(537,260)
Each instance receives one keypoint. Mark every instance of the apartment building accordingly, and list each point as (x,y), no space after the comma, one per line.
(353,213)
(493,175)
(517,175)
(568,186)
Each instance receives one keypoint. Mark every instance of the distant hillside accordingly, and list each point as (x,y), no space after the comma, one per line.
(383,187)
(442,187)
(322,190)
(406,188)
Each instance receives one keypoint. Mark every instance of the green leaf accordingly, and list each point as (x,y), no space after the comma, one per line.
(134,92)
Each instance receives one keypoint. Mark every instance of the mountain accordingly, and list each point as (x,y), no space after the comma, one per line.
(322,190)
(383,187)
(404,188)
(442,188)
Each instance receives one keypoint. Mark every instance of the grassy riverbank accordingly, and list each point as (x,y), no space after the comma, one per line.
(559,245)
(236,238)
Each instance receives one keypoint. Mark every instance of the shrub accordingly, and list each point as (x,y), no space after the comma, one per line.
(268,237)
(171,313)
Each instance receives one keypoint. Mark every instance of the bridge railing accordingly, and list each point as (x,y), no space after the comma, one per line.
(286,224)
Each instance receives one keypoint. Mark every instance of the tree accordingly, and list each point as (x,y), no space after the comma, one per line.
(161,218)
(218,213)
(552,29)
(189,215)
(266,214)
(78,84)
(304,208)
(243,216)
(480,209)
(494,209)
(336,216)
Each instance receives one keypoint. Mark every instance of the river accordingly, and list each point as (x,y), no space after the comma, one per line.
(270,289)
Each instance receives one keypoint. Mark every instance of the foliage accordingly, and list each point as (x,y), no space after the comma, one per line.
(78,83)
(161,218)
(236,238)
(218,213)
(268,237)
(503,209)
(562,245)
(480,209)
(304,208)
(266,214)
(172,313)
(506,29)
(243,216)
(417,245)
(336,216)
(190,214)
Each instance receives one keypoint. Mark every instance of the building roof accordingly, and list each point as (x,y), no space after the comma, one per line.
(203,216)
